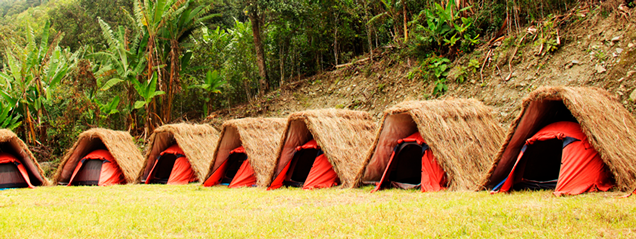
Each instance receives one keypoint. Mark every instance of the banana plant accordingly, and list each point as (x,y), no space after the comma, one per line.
(8,117)
(122,63)
(211,85)
(33,71)
(147,91)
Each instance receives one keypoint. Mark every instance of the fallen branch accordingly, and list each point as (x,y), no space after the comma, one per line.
(513,57)
(481,71)
(352,63)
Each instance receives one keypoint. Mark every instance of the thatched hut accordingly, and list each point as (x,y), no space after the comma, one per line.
(342,135)
(608,126)
(15,148)
(197,141)
(120,145)
(259,138)
(462,135)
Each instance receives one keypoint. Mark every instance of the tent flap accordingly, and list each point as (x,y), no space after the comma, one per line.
(321,175)
(244,176)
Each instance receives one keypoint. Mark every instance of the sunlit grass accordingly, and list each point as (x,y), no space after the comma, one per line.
(158,211)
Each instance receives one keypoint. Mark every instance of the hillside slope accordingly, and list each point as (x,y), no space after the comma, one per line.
(594,50)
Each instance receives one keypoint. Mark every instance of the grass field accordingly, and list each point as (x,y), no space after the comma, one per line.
(160,211)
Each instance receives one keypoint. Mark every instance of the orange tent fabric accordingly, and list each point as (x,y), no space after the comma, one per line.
(244,177)
(6,158)
(110,173)
(321,174)
(278,181)
(181,173)
(216,177)
(433,175)
(582,169)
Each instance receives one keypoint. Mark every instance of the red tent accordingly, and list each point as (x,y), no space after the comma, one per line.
(172,167)
(413,165)
(97,168)
(12,173)
(309,169)
(558,157)
(236,171)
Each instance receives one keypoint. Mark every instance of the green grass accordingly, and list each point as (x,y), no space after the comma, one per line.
(159,211)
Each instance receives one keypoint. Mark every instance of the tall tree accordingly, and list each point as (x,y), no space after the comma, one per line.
(254,12)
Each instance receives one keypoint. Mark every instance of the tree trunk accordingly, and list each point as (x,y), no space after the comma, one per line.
(406,30)
(260,52)
(335,40)
(174,79)
(366,19)
(281,61)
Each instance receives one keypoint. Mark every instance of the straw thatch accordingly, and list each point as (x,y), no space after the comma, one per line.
(609,128)
(10,143)
(343,135)
(120,144)
(462,134)
(260,138)
(197,141)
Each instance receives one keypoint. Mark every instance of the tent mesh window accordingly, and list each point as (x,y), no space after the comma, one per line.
(540,165)
(89,173)
(407,165)
(162,170)
(10,176)
(235,161)
(301,166)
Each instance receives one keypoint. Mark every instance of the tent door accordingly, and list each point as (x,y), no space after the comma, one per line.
(10,176)
(163,168)
(541,165)
(406,171)
(301,166)
(89,173)
(234,164)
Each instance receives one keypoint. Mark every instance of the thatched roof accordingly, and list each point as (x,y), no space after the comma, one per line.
(343,135)
(120,144)
(609,128)
(197,141)
(462,134)
(260,138)
(10,143)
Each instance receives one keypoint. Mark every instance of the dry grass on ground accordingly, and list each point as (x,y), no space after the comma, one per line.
(159,211)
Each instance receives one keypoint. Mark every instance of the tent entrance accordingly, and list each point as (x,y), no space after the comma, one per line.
(10,176)
(301,165)
(540,165)
(235,160)
(406,170)
(163,169)
(89,173)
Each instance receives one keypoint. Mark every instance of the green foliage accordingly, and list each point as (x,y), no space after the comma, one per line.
(444,30)
(211,85)
(147,91)
(34,71)
(76,19)
(439,67)
(9,119)
(436,68)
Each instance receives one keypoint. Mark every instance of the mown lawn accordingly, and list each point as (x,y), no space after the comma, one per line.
(159,211)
